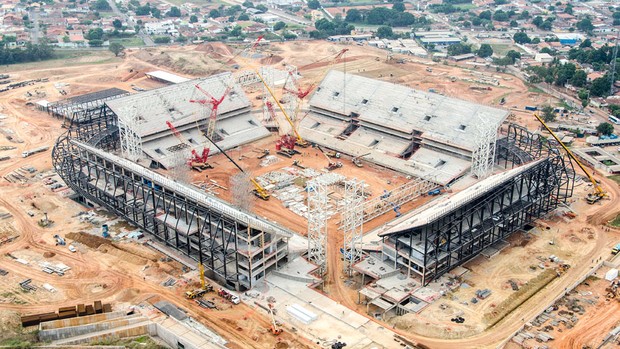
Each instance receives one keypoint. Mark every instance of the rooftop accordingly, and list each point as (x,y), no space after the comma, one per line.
(436,208)
(403,109)
(171,103)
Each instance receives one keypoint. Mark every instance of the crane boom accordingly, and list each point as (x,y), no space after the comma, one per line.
(300,140)
(259,190)
(600,193)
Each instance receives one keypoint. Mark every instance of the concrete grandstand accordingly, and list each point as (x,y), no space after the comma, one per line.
(424,134)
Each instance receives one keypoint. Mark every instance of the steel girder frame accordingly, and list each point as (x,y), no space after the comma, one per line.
(461,234)
(520,146)
(195,230)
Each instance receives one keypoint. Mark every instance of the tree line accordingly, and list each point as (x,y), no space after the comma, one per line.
(29,53)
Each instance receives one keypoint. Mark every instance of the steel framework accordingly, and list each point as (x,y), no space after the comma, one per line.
(483,156)
(131,142)
(317,224)
(73,108)
(456,235)
(353,222)
(236,247)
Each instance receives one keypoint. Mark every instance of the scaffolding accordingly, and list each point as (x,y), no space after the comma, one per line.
(131,142)
(483,156)
(291,87)
(396,197)
(317,224)
(353,221)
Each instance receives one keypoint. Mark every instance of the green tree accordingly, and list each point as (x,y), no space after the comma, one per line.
(385,32)
(514,23)
(214,13)
(585,43)
(262,8)
(585,25)
(95,34)
(174,12)
(579,79)
(314,4)
(521,38)
(600,87)
(353,15)
(95,43)
(244,17)
(237,31)
(605,128)
(162,40)
(485,50)
(66,39)
(116,48)
(548,113)
(500,16)
(398,6)
(485,15)
(248,4)
(117,23)
(193,19)
(102,5)
(513,56)
(279,25)
(155,12)
(459,49)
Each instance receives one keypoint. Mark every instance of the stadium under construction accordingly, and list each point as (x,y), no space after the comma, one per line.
(107,154)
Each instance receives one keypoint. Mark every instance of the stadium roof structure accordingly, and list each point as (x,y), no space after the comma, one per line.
(436,208)
(151,109)
(403,110)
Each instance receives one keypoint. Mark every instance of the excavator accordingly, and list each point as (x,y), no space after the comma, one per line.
(598,193)
(258,189)
(331,165)
(357,161)
(275,328)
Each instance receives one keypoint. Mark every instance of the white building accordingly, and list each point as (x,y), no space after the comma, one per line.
(543,58)
(161,28)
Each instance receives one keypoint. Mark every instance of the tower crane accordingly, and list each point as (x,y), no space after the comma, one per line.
(215,103)
(298,139)
(598,193)
(331,165)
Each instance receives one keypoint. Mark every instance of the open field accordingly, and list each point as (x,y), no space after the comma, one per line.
(126,272)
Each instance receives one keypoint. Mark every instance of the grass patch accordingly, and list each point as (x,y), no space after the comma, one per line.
(134,41)
(465,6)
(615,222)
(615,178)
(142,342)
(519,297)
(534,89)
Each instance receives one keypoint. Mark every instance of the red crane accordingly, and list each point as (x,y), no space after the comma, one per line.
(215,103)
(196,158)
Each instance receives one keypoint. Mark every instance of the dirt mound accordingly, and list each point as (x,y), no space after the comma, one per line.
(122,255)
(271,59)
(140,251)
(49,254)
(127,295)
(89,240)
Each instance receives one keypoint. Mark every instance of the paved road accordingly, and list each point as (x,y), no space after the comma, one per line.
(146,38)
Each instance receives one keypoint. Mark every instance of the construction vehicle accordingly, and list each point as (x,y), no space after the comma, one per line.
(616,249)
(275,328)
(331,165)
(104,231)
(196,293)
(264,154)
(598,193)
(297,163)
(59,240)
(286,146)
(434,192)
(357,161)
(234,299)
(204,286)
(215,103)
(197,161)
(258,189)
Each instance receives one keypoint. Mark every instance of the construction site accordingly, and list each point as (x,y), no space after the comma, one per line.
(252,196)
